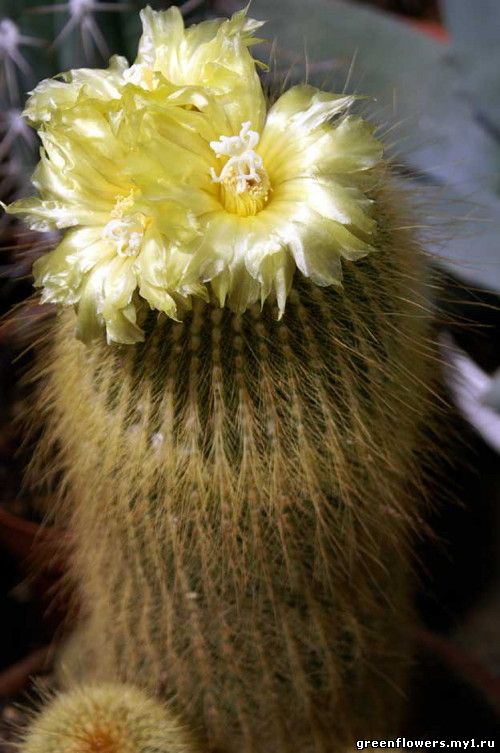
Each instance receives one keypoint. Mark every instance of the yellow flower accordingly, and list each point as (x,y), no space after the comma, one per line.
(211,54)
(287,194)
(175,181)
(123,242)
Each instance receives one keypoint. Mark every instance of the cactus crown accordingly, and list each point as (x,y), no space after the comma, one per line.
(106,718)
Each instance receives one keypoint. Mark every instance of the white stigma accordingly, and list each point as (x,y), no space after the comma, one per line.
(243,163)
(125,235)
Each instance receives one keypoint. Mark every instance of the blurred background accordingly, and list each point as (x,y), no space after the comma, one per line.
(433,71)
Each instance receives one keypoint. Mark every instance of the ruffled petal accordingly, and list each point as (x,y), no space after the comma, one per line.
(161,270)
(95,311)
(298,137)
(349,147)
(316,258)
(61,272)
(243,290)
(121,324)
(120,282)
(221,240)
(346,205)
(89,323)
(44,216)
(303,108)
(212,54)
(52,97)
(276,277)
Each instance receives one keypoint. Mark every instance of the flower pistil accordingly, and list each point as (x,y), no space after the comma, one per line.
(244,182)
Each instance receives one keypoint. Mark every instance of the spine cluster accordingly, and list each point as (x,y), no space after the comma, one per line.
(106,718)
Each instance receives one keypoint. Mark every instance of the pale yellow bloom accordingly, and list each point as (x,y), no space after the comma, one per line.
(121,241)
(211,54)
(174,180)
(287,195)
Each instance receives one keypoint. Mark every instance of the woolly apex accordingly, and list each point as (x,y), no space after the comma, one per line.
(174,180)
(109,718)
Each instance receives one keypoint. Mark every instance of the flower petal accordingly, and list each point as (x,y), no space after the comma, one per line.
(121,324)
(52,97)
(349,147)
(120,281)
(46,215)
(94,312)
(314,256)
(276,276)
(304,108)
(346,205)
(213,54)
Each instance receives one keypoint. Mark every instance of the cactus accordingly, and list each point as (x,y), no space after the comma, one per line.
(242,493)
(106,718)
(242,484)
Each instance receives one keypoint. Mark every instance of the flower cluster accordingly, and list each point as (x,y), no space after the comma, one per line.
(173,178)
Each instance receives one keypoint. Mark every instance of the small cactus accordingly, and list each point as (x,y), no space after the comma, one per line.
(107,718)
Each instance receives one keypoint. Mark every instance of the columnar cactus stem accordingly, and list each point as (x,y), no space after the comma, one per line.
(241,492)
(237,445)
